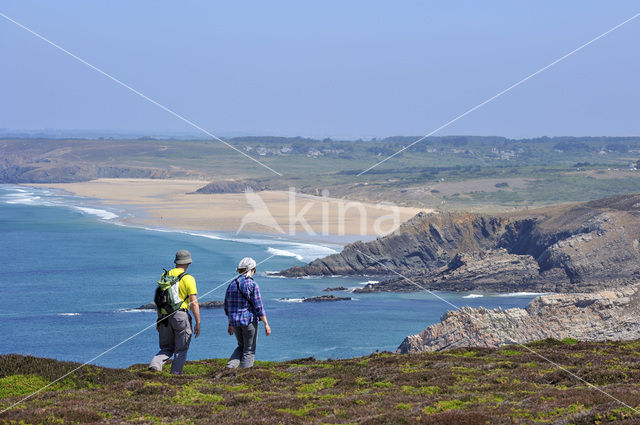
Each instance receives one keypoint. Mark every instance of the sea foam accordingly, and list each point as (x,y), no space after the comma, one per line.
(284,253)
(48,198)
(279,246)
(103,214)
(134,310)
(284,248)
(22,198)
(524,294)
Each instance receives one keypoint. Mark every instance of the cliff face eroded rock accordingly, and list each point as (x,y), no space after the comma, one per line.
(600,316)
(569,248)
(426,241)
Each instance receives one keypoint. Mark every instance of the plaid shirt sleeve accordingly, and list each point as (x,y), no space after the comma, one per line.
(257,300)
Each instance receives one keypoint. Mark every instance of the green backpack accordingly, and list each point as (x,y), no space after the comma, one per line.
(167,298)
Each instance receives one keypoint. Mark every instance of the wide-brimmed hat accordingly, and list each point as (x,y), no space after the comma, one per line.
(247,263)
(182,257)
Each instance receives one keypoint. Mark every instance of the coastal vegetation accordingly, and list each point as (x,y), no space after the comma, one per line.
(509,385)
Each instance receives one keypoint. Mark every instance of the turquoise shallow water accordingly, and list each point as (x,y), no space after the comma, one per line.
(72,274)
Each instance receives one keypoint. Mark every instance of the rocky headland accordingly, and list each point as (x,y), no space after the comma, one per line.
(600,316)
(64,161)
(581,247)
(236,186)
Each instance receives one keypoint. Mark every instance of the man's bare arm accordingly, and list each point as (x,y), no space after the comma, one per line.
(195,307)
(267,328)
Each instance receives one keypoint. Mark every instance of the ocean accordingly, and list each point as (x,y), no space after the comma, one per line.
(74,273)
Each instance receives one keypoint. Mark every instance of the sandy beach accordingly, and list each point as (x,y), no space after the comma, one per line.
(171,204)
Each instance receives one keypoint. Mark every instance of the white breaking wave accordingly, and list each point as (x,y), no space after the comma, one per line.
(291,300)
(473,296)
(524,294)
(48,198)
(103,214)
(23,198)
(202,235)
(271,274)
(284,253)
(68,314)
(134,310)
(307,251)
(280,246)
(373,282)
(299,250)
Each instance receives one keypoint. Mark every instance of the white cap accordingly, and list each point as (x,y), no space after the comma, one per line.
(247,263)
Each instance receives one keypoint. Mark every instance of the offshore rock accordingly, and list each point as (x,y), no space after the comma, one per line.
(599,316)
(205,305)
(325,298)
(321,298)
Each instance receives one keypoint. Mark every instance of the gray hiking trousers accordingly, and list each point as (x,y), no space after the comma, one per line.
(245,352)
(174,341)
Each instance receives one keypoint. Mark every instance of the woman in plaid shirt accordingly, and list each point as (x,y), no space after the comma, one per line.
(243,307)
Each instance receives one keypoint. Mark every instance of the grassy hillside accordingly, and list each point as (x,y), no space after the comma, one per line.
(472,386)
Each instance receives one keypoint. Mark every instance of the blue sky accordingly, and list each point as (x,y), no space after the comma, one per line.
(322,69)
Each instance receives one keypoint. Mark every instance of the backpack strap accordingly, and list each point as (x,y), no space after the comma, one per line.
(180,276)
(243,294)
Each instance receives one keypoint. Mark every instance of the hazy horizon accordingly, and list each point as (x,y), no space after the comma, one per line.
(115,134)
(339,70)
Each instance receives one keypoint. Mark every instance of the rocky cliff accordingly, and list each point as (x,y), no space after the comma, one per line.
(235,186)
(600,316)
(424,242)
(62,161)
(493,270)
(568,248)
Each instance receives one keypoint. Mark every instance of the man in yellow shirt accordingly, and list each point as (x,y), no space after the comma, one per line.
(175,331)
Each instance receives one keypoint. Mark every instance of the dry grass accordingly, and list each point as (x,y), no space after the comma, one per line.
(463,386)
